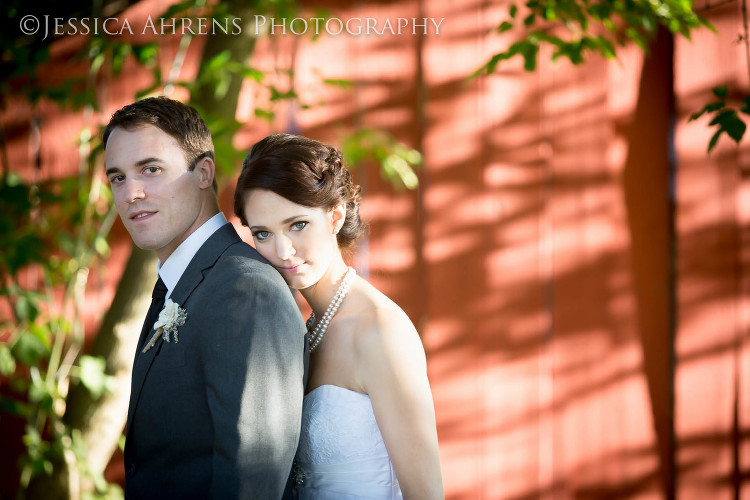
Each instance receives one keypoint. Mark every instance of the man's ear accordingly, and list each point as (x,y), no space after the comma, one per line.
(206,171)
(338,215)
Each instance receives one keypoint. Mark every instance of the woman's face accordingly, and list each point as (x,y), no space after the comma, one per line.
(297,240)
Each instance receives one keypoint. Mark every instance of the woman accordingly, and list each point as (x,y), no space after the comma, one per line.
(368,423)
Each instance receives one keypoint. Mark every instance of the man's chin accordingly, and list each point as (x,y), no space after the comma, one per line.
(147,244)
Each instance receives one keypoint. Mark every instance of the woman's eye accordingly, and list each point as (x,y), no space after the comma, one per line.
(299,226)
(151,170)
(260,235)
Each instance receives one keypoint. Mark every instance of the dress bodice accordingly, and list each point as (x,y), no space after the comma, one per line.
(341,454)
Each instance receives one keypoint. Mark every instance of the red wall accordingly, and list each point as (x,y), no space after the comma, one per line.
(576,264)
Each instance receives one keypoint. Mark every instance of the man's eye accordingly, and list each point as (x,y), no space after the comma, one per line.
(152,170)
(116,178)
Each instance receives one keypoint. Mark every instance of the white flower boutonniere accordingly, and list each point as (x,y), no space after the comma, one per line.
(170,319)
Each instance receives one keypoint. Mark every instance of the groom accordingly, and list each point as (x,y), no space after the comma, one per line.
(218,377)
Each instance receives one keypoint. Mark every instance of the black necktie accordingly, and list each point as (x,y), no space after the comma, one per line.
(157,304)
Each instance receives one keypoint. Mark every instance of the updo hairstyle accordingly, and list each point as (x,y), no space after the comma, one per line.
(305,172)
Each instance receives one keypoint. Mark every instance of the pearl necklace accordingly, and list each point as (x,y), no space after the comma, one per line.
(322,325)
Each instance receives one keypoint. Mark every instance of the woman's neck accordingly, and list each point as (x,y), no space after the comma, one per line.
(319,295)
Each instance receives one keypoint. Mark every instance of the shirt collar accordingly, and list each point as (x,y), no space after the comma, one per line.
(170,271)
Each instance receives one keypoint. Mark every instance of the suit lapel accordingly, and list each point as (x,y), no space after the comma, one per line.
(202,262)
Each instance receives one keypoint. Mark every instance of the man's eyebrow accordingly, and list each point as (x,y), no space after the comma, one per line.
(139,163)
(146,161)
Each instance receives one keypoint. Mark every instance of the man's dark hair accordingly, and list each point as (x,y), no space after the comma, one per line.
(173,118)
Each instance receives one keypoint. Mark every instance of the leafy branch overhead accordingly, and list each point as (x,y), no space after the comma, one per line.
(576,29)
(726,118)
(397,161)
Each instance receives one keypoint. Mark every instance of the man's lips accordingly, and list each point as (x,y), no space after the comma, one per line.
(142,215)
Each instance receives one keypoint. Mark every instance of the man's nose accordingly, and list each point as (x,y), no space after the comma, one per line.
(134,191)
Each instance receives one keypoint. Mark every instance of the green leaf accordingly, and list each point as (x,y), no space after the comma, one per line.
(746,105)
(255,74)
(145,54)
(708,24)
(505,26)
(7,361)
(265,114)
(714,106)
(713,140)
(606,47)
(721,92)
(513,10)
(119,54)
(26,305)
(400,169)
(101,246)
(93,376)
(339,83)
(28,349)
(277,95)
(728,122)
(735,127)
(15,407)
(708,108)
(493,62)
(529,57)
(218,61)
(39,392)
(396,160)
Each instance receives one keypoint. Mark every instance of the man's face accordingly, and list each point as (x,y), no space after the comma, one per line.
(159,200)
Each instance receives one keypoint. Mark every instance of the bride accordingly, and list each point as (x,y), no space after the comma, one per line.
(368,422)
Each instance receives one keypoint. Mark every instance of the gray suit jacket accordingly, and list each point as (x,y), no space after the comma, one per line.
(217,414)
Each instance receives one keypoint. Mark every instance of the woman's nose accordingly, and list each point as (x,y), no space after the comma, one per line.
(284,247)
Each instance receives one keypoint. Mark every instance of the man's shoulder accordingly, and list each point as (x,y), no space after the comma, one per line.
(242,271)
(241,258)
(240,249)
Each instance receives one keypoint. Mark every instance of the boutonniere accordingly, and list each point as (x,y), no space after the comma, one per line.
(170,319)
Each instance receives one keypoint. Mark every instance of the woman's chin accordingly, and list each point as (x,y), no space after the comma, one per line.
(297,282)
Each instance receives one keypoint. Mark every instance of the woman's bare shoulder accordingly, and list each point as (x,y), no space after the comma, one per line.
(378,315)
(384,333)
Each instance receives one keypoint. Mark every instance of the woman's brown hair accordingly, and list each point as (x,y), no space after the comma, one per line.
(305,172)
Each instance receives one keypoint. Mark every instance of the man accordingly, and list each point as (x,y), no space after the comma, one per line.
(216,398)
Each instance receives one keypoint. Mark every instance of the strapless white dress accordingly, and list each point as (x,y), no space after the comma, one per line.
(341,453)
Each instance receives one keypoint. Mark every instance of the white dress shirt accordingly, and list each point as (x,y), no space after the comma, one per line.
(170,271)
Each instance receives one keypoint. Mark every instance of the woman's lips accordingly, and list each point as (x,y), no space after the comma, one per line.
(290,270)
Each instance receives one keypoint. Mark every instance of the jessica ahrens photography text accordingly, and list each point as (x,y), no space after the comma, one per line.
(260,25)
